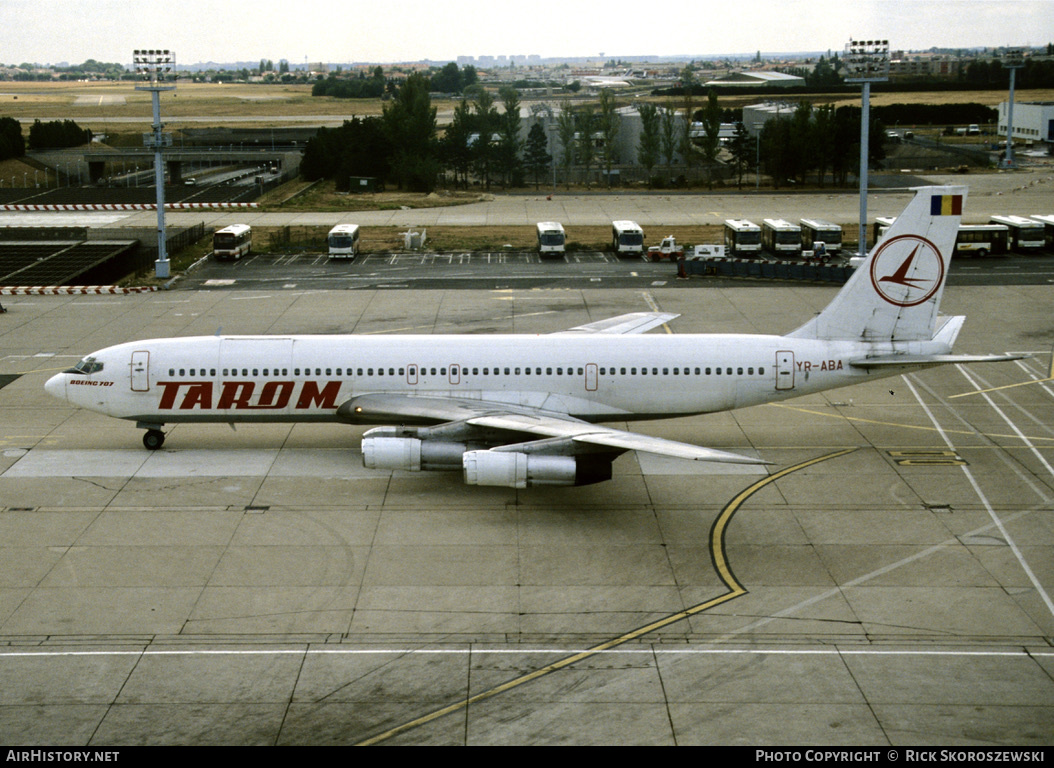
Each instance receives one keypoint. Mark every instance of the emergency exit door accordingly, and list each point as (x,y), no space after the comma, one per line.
(784,370)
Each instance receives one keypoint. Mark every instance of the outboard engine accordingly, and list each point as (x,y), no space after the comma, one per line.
(522,470)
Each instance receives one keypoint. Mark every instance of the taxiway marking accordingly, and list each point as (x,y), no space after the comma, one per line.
(717,552)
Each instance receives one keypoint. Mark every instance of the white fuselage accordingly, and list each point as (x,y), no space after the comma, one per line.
(595,378)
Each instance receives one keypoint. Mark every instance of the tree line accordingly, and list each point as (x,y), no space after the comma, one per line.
(483,142)
(821,140)
(51,135)
(449,79)
(57,133)
(403,147)
(12,143)
(400,146)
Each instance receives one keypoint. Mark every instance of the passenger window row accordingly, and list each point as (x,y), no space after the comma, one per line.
(571,371)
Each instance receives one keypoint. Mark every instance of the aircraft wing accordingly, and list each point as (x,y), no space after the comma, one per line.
(634,322)
(557,431)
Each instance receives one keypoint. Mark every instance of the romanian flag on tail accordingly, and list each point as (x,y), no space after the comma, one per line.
(946,205)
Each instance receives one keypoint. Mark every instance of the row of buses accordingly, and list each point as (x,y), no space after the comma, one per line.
(783,238)
(741,237)
(1001,234)
(626,237)
(235,241)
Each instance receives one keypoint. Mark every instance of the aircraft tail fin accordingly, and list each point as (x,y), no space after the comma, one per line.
(895,294)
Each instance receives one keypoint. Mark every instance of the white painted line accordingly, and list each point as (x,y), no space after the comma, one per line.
(977,488)
(1017,653)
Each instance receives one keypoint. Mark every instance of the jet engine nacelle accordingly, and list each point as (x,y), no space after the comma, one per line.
(411,454)
(521,470)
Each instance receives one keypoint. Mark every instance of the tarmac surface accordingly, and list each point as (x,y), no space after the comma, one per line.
(1022,193)
(885,581)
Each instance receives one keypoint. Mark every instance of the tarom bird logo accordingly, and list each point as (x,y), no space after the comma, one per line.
(900,277)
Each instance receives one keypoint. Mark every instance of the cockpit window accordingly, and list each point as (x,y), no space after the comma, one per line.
(86,366)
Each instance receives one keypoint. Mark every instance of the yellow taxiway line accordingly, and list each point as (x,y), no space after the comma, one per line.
(717,549)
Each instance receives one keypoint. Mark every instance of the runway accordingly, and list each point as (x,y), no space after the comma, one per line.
(886,581)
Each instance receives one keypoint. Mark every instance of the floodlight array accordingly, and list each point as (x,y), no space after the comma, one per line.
(1014,58)
(155,64)
(866,60)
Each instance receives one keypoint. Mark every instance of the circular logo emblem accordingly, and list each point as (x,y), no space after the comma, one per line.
(907,270)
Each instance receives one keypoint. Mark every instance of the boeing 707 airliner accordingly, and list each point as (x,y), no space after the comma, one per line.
(520,410)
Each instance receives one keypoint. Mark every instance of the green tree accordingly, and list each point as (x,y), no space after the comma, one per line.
(12,144)
(744,151)
(711,144)
(648,145)
(536,152)
(410,125)
(609,123)
(486,120)
(776,149)
(447,80)
(456,143)
(509,144)
(566,127)
(668,134)
(57,133)
(823,140)
(803,152)
(586,150)
(688,106)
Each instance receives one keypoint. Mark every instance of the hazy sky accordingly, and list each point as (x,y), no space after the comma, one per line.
(49,31)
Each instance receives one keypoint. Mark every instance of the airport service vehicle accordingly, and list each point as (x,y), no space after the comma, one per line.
(742,237)
(1025,234)
(982,239)
(233,242)
(343,241)
(627,237)
(550,237)
(815,231)
(525,410)
(781,237)
(667,249)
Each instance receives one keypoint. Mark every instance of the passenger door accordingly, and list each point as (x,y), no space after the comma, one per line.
(141,371)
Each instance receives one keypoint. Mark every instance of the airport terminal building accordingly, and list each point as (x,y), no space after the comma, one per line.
(1033,122)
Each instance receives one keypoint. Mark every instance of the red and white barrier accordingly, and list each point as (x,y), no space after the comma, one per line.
(125,207)
(71,290)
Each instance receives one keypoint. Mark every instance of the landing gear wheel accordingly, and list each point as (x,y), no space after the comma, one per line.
(153,439)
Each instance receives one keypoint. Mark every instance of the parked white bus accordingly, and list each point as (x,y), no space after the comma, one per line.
(982,239)
(627,237)
(781,237)
(815,231)
(972,239)
(1025,234)
(550,237)
(1048,228)
(741,236)
(343,241)
(882,223)
(232,242)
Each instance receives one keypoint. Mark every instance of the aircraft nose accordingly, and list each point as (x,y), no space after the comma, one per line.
(56,386)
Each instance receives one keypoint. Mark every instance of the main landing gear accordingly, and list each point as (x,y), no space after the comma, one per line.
(154,437)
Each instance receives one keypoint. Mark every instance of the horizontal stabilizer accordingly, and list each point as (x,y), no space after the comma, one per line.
(886,361)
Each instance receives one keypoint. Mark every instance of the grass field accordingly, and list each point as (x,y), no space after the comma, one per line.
(93,104)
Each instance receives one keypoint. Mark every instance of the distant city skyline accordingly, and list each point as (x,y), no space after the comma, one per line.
(51,31)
